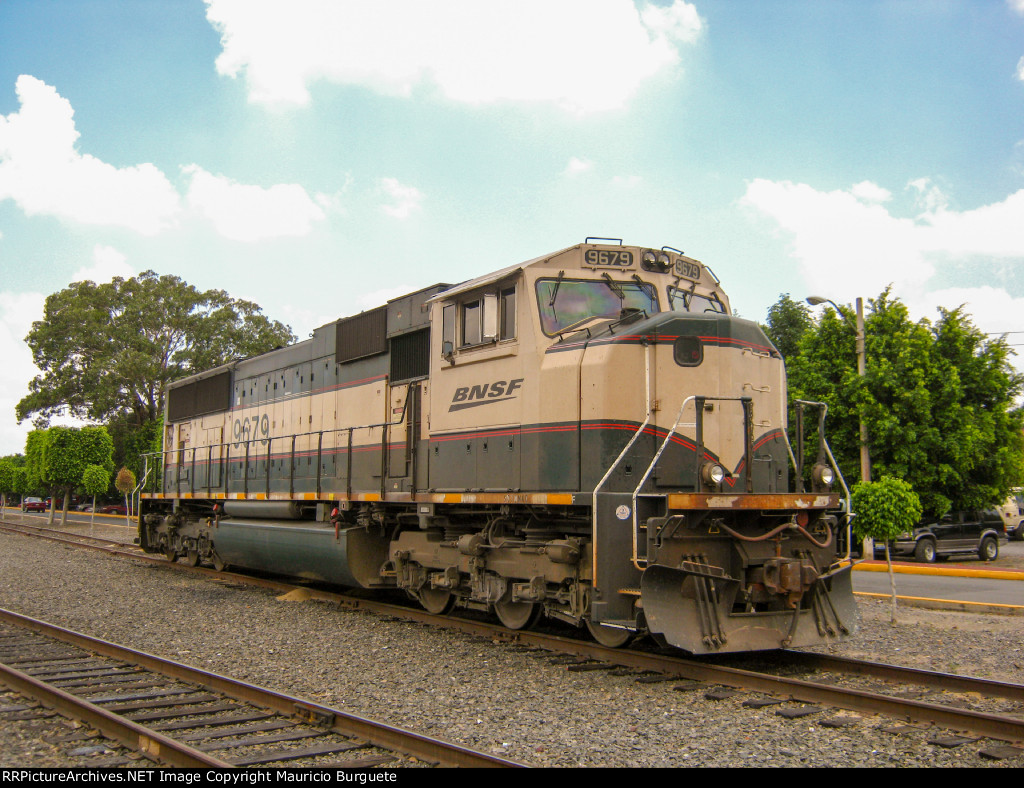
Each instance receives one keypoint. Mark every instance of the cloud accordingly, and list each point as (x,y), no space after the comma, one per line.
(1020,69)
(44,173)
(1016,5)
(17,312)
(584,55)
(847,243)
(870,192)
(107,263)
(577,166)
(251,213)
(997,309)
(406,199)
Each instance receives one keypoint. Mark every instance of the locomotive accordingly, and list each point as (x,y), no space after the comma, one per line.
(590,436)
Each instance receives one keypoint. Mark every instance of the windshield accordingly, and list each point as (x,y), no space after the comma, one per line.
(688,301)
(565,303)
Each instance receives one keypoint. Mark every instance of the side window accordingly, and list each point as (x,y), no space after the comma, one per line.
(481,320)
(508,314)
(472,323)
(448,330)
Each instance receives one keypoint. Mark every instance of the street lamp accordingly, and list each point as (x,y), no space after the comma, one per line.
(865,460)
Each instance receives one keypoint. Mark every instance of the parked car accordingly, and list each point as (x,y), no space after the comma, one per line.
(1012,511)
(33,505)
(957,533)
(112,508)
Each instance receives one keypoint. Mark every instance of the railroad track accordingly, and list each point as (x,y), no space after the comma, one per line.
(181,716)
(964,706)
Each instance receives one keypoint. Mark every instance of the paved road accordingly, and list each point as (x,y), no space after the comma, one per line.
(968,581)
(948,587)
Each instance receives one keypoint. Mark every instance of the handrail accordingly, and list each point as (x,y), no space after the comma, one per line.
(629,445)
(640,563)
(165,454)
(643,480)
(847,499)
(699,400)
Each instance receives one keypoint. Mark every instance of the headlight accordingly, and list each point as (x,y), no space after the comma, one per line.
(823,474)
(712,473)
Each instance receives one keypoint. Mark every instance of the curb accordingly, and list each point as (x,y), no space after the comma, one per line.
(988,574)
(948,604)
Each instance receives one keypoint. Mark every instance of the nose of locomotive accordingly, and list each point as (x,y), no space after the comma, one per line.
(691,607)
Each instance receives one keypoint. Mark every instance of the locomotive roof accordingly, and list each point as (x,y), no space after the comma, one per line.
(497,276)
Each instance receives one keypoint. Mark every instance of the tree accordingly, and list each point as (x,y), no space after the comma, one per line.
(131,442)
(67,452)
(107,350)
(125,484)
(939,401)
(884,510)
(95,481)
(35,459)
(788,322)
(20,483)
(8,480)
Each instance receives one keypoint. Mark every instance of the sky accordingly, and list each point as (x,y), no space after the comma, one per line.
(319,157)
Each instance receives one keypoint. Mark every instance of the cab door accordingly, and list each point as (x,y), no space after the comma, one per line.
(402,408)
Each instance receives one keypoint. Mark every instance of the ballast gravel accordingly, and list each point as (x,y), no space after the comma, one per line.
(518,704)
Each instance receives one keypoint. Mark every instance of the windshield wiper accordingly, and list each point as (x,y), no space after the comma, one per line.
(614,286)
(554,293)
(647,288)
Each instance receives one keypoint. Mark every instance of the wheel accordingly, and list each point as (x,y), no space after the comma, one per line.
(518,615)
(925,551)
(1018,533)
(170,554)
(438,601)
(192,558)
(609,637)
(218,563)
(989,549)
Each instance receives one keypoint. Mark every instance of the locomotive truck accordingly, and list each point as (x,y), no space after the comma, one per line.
(590,436)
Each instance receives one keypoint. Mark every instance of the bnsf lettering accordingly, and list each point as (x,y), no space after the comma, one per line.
(483,394)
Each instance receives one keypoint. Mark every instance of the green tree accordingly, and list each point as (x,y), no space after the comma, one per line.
(132,441)
(68,451)
(8,472)
(939,401)
(95,481)
(106,351)
(788,322)
(35,459)
(884,510)
(20,483)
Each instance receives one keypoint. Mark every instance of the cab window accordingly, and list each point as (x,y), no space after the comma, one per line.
(689,301)
(567,303)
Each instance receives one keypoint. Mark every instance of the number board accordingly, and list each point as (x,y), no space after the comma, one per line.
(687,269)
(610,258)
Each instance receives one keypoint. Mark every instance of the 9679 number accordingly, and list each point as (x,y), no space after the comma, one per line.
(609,257)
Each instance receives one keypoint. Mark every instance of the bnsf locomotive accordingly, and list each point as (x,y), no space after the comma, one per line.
(589,436)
